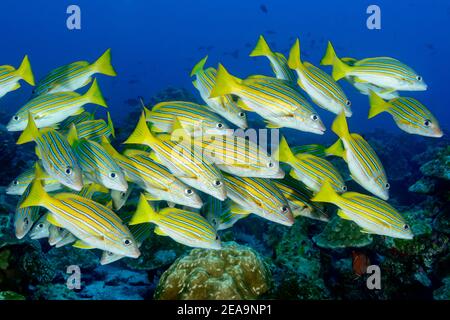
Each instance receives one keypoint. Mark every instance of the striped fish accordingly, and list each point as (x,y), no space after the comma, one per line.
(239,156)
(365,87)
(278,61)
(40,228)
(154,178)
(10,77)
(259,196)
(93,224)
(320,87)
(55,152)
(182,160)
(59,237)
(186,227)
(225,105)
(76,119)
(371,214)
(220,214)
(309,169)
(409,114)
(50,109)
(140,233)
(94,130)
(23,180)
(364,165)
(24,218)
(299,199)
(191,116)
(383,72)
(317,150)
(96,163)
(75,75)
(119,198)
(275,100)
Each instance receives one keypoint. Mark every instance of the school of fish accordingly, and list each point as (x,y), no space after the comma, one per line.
(194,167)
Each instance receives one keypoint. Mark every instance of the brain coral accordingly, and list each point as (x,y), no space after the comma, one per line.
(235,272)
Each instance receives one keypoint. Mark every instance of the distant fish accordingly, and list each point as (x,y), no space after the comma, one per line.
(263,8)
(10,77)
(24,218)
(95,129)
(23,180)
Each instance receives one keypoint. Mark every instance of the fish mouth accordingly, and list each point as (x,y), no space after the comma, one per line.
(438,133)
(121,188)
(134,254)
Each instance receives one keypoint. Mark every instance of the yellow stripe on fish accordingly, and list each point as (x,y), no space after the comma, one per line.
(275,100)
(371,214)
(75,75)
(23,180)
(320,87)
(50,109)
(409,114)
(10,77)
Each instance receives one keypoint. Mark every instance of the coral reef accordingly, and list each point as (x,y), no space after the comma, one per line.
(235,272)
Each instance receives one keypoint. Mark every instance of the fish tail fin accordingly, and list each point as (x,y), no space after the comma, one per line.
(261,48)
(284,152)
(94,95)
(340,126)
(72,135)
(111,125)
(225,83)
(103,64)
(294,61)
(330,56)
(25,71)
(199,66)
(144,212)
(37,196)
(377,105)
(30,133)
(326,194)
(336,149)
(141,134)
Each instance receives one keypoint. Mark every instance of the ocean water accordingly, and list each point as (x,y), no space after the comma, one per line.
(154,46)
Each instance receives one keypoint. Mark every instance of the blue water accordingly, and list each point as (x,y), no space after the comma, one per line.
(158,42)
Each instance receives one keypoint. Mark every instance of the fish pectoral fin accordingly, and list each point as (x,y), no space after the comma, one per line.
(272,125)
(16,86)
(342,214)
(235,208)
(51,219)
(358,80)
(159,232)
(82,245)
(150,197)
(365,231)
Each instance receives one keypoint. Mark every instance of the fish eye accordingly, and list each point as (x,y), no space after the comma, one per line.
(314,117)
(122,194)
(241,114)
(387,186)
(188,192)
(344,188)
(217,237)
(270,164)
(219,125)
(127,242)
(68,170)
(16,118)
(25,221)
(217,183)
(419,78)
(40,225)
(348,103)
(427,123)
(109,253)
(284,209)
(113,175)
(15,182)
(405,227)
(214,221)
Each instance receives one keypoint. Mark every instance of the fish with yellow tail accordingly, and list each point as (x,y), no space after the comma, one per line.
(363,163)
(23,180)
(224,105)
(48,110)
(258,196)
(95,129)
(373,215)
(320,86)
(275,100)
(181,159)
(153,177)
(93,224)
(278,61)
(57,157)
(96,163)
(40,229)
(385,72)
(409,114)
(59,237)
(10,77)
(186,227)
(310,169)
(75,75)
